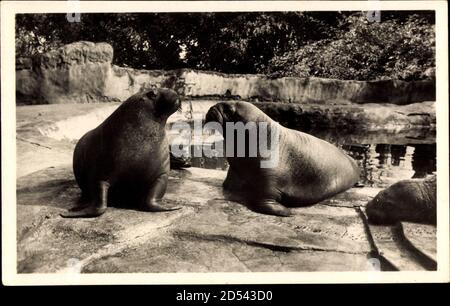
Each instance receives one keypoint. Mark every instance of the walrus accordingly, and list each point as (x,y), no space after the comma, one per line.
(308,170)
(126,158)
(411,200)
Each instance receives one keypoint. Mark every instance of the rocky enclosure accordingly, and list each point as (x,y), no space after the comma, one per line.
(211,233)
(83,72)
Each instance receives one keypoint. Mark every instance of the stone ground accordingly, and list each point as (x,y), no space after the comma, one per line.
(209,234)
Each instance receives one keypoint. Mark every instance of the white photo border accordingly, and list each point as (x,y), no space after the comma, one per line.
(8,149)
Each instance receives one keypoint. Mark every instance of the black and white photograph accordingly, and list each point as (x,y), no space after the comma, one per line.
(165,142)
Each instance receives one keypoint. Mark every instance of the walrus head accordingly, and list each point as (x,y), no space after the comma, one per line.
(221,113)
(379,209)
(245,125)
(235,112)
(163,101)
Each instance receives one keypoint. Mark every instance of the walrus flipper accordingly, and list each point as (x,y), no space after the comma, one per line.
(153,200)
(97,208)
(270,207)
(86,212)
(155,206)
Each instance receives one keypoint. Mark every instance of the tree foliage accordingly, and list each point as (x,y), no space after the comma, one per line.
(399,49)
(326,44)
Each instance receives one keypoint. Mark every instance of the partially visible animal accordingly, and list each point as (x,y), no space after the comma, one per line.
(411,200)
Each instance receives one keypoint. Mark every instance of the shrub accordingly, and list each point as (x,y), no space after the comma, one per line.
(364,50)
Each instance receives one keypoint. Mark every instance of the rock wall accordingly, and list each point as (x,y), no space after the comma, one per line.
(349,117)
(124,82)
(83,72)
(306,90)
(73,73)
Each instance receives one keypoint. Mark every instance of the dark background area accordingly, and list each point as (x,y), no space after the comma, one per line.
(342,45)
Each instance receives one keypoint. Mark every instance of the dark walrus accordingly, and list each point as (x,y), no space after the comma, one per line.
(408,200)
(126,158)
(308,169)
